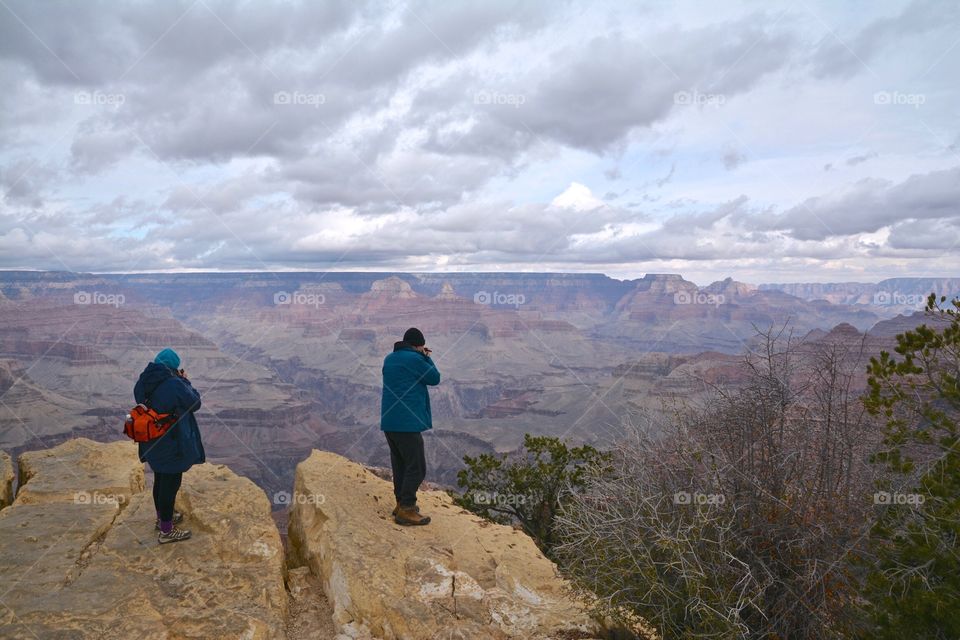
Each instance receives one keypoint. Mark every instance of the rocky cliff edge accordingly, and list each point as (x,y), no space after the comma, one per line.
(80,559)
(460,577)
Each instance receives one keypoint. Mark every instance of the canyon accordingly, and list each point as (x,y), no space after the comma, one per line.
(288,362)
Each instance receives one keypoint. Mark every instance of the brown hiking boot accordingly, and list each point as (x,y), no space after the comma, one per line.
(397,508)
(410,516)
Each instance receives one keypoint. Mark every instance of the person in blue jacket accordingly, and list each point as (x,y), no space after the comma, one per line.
(404,415)
(163,386)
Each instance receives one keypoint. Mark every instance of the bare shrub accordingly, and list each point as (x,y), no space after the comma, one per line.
(775,492)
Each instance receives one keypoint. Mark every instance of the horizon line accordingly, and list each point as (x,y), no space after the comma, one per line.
(451,273)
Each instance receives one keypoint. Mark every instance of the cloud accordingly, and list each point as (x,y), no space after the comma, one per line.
(577,197)
(855,160)
(25,179)
(410,134)
(942,235)
(869,206)
(95,149)
(733,159)
(594,93)
(843,56)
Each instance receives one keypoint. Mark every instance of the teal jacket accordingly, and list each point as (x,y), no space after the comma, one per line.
(405,404)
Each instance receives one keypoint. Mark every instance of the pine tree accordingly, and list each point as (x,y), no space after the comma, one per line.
(913,585)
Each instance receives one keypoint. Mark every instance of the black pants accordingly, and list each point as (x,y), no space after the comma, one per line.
(165,488)
(409,465)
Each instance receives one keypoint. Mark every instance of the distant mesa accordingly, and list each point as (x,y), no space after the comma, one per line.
(447,294)
(392,287)
(843,331)
(664,283)
(890,297)
(730,288)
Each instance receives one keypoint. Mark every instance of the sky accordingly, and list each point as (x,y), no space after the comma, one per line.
(766,141)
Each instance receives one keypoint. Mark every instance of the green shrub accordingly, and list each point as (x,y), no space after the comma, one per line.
(525,487)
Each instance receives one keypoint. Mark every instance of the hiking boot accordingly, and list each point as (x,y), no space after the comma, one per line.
(397,508)
(410,516)
(177,519)
(175,535)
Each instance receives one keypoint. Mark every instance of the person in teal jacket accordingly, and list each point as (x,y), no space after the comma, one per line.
(404,416)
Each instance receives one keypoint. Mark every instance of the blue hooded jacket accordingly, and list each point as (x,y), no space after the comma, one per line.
(405,404)
(161,389)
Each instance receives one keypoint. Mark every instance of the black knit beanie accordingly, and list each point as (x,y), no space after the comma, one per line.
(415,337)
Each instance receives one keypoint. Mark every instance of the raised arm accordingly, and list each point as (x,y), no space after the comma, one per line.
(188,398)
(430,375)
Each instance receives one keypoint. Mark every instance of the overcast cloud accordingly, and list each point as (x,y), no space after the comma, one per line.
(624,138)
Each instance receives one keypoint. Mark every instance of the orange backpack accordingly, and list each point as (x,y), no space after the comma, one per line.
(143,424)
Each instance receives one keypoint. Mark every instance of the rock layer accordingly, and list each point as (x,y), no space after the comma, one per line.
(6,479)
(80,551)
(80,470)
(459,577)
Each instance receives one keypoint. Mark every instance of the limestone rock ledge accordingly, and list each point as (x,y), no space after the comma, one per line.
(80,559)
(6,479)
(459,577)
(80,470)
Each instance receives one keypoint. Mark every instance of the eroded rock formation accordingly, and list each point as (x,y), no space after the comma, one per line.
(6,480)
(459,577)
(80,559)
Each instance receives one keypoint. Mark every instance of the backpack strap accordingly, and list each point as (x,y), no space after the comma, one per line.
(146,402)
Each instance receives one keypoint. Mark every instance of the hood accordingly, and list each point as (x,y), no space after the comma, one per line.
(403,346)
(153,376)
